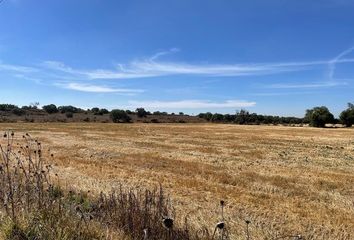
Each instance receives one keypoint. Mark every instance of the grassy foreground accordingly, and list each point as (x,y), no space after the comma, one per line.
(285,181)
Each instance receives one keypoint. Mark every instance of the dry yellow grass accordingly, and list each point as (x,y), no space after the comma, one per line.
(285,180)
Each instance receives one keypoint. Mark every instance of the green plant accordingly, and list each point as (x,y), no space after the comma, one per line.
(51,108)
(319,116)
(347,116)
(69,114)
(120,116)
(140,112)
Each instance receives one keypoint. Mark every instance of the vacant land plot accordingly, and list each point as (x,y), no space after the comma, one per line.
(284,180)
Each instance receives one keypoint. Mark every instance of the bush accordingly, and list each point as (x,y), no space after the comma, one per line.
(120,116)
(319,116)
(217,117)
(347,116)
(51,108)
(18,111)
(103,111)
(69,115)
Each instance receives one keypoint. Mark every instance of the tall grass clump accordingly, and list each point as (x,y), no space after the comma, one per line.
(34,206)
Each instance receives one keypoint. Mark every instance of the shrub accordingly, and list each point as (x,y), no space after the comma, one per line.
(95,110)
(129,112)
(69,115)
(120,116)
(18,111)
(103,111)
(33,207)
(51,108)
(319,116)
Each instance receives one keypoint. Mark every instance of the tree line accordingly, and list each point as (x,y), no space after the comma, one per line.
(315,117)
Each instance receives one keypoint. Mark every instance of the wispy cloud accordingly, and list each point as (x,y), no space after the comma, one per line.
(338,59)
(153,67)
(163,53)
(16,68)
(272,94)
(190,104)
(96,88)
(307,85)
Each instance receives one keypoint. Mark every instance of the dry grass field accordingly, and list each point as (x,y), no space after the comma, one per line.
(285,180)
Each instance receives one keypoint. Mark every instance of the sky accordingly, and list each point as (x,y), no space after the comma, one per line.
(276,57)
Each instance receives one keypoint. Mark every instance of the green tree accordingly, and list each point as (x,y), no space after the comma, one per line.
(51,108)
(217,117)
(319,116)
(140,112)
(347,116)
(120,116)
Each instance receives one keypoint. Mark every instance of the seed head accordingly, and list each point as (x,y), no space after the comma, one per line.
(167,222)
(220,225)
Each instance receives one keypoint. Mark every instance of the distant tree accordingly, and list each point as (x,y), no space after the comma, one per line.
(7,107)
(129,112)
(95,110)
(347,116)
(72,109)
(319,116)
(103,111)
(140,112)
(217,117)
(51,108)
(242,117)
(229,118)
(181,113)
(120,116)
(156,113)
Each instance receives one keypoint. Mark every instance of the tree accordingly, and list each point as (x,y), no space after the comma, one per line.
(51,108)
(7,107)
(103,111)
(95,110)
(120,116)
(242,117)
(140,112)
(347,116)
(319,116)
(217,117)
(72,109)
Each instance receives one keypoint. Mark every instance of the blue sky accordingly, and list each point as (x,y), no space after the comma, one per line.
(270,57)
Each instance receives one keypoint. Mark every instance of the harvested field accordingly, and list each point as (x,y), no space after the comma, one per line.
(285,180)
